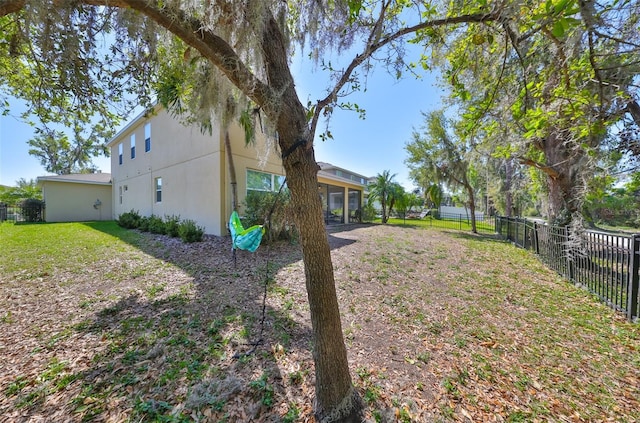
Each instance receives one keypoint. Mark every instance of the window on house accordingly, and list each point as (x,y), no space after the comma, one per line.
(133,146)
(158,183)
(262,181)
(120,153)
(120,193)
(147,137)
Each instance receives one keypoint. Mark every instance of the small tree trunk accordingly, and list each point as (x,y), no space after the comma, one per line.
(508,200)
(383,203)
(472,207)
(232,171)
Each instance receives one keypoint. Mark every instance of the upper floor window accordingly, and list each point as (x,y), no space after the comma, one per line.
(158,184)
(147,137)
(133,146)
(262,181)
(120,153)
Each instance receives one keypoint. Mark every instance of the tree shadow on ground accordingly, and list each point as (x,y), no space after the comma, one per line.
(186,335)
(346,227)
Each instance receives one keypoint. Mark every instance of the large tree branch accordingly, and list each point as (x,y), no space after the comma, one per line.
(289,113)
(11,6)
(548,170)
(193,32)
(211,46)
(369,49)
(215,49)
(634,110)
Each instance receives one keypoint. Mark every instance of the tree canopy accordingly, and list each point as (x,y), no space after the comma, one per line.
(552,87)
(446,155)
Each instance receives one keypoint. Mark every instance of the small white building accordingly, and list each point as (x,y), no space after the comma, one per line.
(77,197)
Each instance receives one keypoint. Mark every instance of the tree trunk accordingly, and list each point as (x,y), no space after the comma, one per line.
(472,207)
(336,399)
(508,200)
(565,184)
(391,204)
(232,171)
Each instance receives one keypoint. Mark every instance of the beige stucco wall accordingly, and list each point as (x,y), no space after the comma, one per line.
(74,202)
(193,168)
(188,162)
(261,156)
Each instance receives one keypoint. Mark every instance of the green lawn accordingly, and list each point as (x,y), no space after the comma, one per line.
(454,224)
(44,246)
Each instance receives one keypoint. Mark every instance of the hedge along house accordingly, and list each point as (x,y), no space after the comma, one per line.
(77,197)
(160,166)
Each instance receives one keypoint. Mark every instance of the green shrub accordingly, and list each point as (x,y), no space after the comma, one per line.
(259,204)
(172,225)
(129,220)
(368,212)
(32,210)
(143,224)
(190,232)
(156,225)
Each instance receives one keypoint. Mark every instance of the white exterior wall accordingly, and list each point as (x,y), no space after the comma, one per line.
(74,202)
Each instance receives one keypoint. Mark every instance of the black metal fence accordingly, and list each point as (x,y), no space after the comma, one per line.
(605,264)
(484,223)
(22,213)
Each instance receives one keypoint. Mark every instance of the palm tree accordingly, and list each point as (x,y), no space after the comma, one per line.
(396,196)
(381,189)
(435,194)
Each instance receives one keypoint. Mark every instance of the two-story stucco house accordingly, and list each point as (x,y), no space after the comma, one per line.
(160,166)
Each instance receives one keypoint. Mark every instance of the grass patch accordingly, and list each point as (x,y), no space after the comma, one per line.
(36,250)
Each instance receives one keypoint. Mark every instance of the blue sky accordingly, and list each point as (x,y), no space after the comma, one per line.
(393,110)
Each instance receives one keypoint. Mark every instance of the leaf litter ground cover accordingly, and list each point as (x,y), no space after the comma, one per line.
(111,325)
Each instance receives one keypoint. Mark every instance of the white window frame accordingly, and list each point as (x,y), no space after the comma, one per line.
(147,137)
(273,186)
(133,146)
(158,189)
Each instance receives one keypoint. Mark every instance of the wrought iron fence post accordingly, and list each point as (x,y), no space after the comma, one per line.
(460,221)
(570,256)
(536,246)
(634,278)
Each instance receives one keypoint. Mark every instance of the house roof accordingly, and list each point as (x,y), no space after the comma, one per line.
(327,168)
(79,178)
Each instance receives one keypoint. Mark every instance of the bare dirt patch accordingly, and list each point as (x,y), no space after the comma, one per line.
(440,326)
